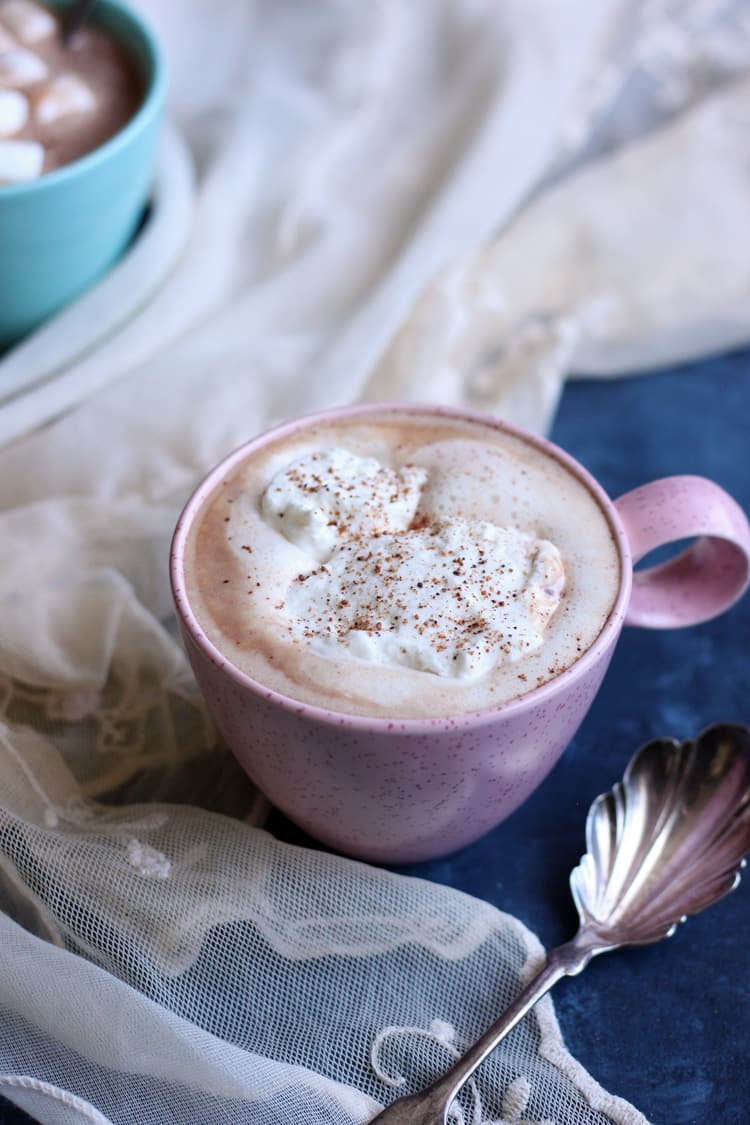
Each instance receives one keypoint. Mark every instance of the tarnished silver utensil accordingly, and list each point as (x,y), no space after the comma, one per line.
(75,17)
(667,841)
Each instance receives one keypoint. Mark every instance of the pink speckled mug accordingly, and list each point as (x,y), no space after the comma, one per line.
(403,790)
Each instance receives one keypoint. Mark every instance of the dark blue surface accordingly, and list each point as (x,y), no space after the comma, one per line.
(667,1027)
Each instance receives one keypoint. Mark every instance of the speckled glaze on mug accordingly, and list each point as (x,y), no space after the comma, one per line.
(403,790)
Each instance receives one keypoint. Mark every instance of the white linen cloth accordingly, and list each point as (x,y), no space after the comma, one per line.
(457,201)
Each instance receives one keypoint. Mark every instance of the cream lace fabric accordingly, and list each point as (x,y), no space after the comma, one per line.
(458,201)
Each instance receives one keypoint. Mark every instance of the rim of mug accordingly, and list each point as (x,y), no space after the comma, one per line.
(396,724)
(150,105)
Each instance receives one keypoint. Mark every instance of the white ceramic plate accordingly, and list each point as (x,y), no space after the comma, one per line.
(34,380)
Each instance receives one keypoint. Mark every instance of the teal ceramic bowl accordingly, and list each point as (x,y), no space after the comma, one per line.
(61,232)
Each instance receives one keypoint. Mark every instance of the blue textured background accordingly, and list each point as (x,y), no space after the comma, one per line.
(667,1027)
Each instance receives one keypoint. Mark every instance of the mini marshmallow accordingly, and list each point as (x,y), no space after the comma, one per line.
(29,21)
(7,42)
(14,112)
(63,96)
(19,68)
(20,161)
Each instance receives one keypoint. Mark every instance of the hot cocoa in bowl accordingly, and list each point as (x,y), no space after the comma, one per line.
(58,100)
(399,615)
(79,125)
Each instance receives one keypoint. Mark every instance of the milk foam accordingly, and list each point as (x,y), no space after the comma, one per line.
(477,481)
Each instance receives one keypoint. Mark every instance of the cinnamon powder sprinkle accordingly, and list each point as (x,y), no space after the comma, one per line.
(444,598)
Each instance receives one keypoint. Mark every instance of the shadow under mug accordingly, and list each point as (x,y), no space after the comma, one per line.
(61,232)
(403,790)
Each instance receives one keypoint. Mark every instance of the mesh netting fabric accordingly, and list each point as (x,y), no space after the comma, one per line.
(223,976)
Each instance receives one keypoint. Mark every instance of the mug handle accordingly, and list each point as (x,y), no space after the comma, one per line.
(703,580)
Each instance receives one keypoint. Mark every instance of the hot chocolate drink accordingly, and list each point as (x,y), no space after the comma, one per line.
(58,102)
(404,566)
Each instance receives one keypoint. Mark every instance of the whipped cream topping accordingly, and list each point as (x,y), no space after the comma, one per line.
(449,596)
(329,497)
(453,599)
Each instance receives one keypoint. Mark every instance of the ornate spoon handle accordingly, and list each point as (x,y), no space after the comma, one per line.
(430,1106)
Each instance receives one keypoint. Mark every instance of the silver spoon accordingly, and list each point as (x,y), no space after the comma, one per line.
(667,841)
(75,17)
